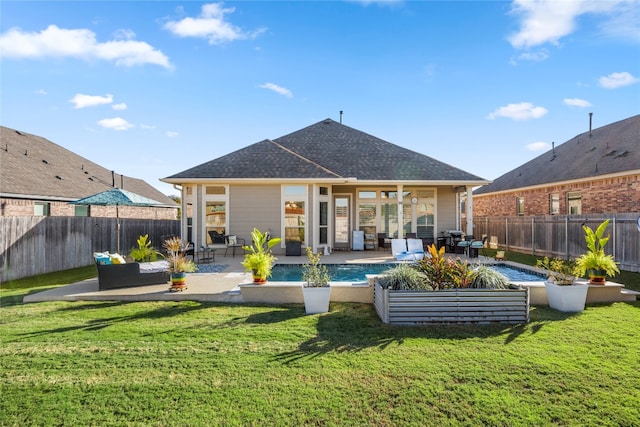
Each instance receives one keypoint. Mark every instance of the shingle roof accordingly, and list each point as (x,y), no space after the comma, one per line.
(610,149)
(327,149)
(34,167)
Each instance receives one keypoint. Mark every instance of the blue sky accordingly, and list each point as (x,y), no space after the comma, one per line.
(151,88)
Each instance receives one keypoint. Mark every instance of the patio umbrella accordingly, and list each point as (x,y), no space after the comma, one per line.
(117,197)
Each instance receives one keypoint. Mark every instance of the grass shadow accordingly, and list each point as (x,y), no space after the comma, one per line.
(162,311)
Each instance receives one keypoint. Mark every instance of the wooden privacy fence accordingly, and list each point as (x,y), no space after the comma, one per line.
(562,236)
(38,245)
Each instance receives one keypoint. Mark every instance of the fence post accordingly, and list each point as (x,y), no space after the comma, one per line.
(506,233)
(533,235)
(566,237)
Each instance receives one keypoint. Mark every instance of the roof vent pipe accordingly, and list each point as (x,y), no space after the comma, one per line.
(590,121)
(553,147)
(113,179)
(340,116)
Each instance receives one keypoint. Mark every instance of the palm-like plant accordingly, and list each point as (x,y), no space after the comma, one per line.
(259,259)
(595,261)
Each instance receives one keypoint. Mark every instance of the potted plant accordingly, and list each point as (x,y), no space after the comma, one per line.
(179,265)
(595,263)
(259,259)
(144,252)
(316,290)
(562,293)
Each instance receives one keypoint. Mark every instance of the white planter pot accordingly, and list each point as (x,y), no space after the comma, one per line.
(566,298)
(316,300)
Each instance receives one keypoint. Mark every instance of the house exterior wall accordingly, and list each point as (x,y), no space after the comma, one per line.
(446,210)
(620,194)
(25,207)
(251,206)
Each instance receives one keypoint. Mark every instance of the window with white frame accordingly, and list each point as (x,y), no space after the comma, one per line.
(215,205)
(294,199)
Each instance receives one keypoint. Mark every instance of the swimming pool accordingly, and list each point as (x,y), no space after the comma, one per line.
(358,272)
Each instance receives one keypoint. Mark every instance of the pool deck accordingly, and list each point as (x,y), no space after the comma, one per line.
(234,285)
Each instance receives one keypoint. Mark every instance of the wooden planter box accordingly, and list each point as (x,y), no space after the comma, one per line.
(451,306)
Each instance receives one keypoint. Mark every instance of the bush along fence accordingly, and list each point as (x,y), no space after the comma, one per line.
(561,236)
(37,245)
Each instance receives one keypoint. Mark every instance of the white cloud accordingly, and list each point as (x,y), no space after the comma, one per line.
(616,80)
(538,146)
(79,43)
(124,34)
(521,111)
(82,101)
(147,127)
(277,89)
(538,56)
(41,92)
(211,25)
(172,134)
(576,102)
(121,106)
(547,21)
(116,123)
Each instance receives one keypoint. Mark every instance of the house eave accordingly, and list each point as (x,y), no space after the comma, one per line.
(245,181)
(557,183)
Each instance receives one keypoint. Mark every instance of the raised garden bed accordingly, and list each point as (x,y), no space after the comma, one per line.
(451,306)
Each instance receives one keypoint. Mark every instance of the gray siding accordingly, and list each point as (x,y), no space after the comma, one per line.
(255,207)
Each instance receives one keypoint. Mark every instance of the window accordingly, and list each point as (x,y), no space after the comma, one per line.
(554,204)
(214,190)
(216,220)
(520,205)
(82,210)
(324,223)
(294,213)
(574,204)
(40,209)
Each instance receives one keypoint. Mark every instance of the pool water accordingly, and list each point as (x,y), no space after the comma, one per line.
(358,272)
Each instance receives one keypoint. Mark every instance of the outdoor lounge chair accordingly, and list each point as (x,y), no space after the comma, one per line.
(216,238)
(414,246)
(400,252)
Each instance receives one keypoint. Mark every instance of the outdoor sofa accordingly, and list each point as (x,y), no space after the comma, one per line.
(113,276)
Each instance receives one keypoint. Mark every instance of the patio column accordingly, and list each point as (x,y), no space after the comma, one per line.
(400,213)
(470,211)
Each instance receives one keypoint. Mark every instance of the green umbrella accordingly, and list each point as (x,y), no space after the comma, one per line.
(117,197)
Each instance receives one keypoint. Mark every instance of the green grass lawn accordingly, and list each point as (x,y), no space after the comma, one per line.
(188,363)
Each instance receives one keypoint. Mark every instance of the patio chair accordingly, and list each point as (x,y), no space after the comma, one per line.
(190,250)
(383,242)
(410,236)
(233,242)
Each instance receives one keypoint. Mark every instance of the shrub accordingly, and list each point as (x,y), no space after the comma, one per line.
(486,277)
(404,277)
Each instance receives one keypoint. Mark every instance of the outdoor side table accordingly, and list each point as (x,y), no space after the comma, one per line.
(206,255)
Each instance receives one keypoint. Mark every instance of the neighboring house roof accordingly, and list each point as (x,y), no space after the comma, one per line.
(611,149)
(33,167)
(327,150)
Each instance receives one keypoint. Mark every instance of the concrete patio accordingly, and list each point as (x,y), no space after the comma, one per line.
(232,282)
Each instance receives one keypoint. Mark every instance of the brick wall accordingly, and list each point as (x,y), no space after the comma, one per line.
(619,195)
(24,207)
